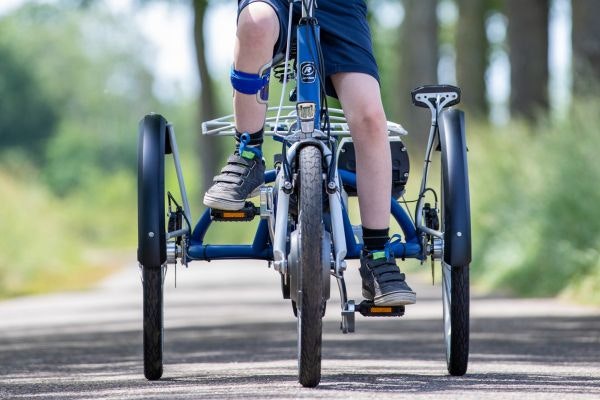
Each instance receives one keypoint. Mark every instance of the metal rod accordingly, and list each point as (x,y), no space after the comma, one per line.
(281,225)
(307,8)
(177,233)
(337,223)
(175,150)
(228,252)
(432,232)
(342,288)
(427,162)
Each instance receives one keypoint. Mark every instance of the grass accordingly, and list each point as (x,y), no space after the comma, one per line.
(53,243)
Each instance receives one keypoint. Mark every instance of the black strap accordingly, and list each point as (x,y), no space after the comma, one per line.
(227,178)
(235,169)
(236,159)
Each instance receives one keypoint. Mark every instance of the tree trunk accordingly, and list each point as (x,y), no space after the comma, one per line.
(586,46)
(528,52)
(419,62)
(209,148)
(471,55)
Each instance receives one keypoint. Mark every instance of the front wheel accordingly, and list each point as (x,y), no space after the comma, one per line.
(310,303)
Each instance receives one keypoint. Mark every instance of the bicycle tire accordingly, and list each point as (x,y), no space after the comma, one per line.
(152,147)
(153,322)
(311,277)
(456,225)
(152,247)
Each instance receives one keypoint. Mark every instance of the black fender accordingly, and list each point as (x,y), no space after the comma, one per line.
(152,139)
(455,182)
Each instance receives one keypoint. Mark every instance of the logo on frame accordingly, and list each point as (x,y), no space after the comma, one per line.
(308,72)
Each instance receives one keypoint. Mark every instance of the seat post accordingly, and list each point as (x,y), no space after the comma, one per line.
(308,11)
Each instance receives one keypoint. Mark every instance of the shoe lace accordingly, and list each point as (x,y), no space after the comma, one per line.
(244,140)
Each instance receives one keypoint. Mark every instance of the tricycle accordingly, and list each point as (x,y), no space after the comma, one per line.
(304,230)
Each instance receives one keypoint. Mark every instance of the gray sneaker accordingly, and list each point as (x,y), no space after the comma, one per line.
(240,179)
(382,281)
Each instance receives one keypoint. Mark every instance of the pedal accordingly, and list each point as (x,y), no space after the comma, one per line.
(245,214)
(369,309)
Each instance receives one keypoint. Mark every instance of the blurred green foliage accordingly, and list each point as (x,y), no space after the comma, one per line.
(73,84)
(536,222)
(56,243)
(21,94)
(77,79)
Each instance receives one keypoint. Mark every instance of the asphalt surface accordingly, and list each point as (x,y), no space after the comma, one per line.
(228,334)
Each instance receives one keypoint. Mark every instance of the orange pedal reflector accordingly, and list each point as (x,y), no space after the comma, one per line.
(245,214)
(369,309)
(381,309)
(233,215)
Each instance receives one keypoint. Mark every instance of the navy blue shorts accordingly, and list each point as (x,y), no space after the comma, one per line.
(345,35)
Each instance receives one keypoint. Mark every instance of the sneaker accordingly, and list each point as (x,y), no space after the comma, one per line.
(382,281)
(240,179)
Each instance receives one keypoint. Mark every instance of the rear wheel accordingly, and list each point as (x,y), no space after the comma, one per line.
(455,283)
(152,236)
(153,322)
(310,303)
(456,254)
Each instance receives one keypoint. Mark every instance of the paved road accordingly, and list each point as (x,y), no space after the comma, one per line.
(234,338)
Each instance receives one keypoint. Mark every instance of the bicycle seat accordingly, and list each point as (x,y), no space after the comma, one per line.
(448,95)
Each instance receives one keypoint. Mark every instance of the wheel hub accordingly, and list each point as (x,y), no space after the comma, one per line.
(436,248)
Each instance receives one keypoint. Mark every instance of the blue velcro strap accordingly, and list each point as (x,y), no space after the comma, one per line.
(248,151)
(247,83)
(389,246)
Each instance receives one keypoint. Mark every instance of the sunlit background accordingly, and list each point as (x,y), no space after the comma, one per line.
(76,76)
(168,25)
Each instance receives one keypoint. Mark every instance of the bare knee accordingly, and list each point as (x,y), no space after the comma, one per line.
(369,125)
(258,26)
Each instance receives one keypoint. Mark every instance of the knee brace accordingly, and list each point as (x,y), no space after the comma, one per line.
(247,83)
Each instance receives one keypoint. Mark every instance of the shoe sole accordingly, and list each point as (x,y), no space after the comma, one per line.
(367,295)
(227,204)
(392,299)
(396,299)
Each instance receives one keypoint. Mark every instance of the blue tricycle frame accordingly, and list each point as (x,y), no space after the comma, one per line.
(262,249)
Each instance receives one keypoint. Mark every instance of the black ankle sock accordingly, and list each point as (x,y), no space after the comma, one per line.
(256,139)
(375,239)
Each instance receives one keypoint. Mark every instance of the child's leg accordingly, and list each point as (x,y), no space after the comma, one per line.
(360,97)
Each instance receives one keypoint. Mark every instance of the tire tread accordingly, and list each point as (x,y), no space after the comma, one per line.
(459,353)
(153,322)
(310,218)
